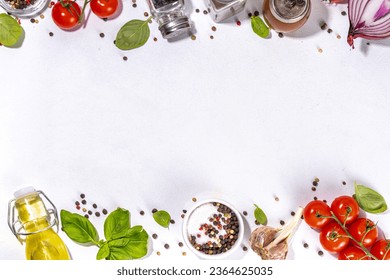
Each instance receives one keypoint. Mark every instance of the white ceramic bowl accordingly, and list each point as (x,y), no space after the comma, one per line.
(186,234)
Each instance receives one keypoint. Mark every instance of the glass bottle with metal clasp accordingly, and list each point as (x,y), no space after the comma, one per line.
(32,223)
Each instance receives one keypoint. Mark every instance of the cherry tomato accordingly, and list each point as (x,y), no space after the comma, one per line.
(66,14)
(313,212)
(381,249)
(353,253)
(104,8)
(345,208)
(364,230)
(333,238)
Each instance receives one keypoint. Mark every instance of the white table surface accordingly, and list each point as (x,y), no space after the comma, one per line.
(237,117)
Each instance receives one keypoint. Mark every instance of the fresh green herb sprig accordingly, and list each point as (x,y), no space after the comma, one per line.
(369,200)
(123,242)
(133,34)
(260,216)
(10,30)
(162,217)
(259,27)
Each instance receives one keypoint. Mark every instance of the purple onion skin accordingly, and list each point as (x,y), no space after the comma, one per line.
(359,29)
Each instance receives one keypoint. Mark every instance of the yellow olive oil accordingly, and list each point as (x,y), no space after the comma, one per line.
(42,242)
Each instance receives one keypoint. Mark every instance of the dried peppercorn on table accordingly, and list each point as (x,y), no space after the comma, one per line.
(220,114)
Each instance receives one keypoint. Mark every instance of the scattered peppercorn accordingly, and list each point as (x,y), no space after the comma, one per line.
(77,203)
(97,214)
(154,210)
(256,13)
(182,216)
(86,216)
(84,202)
(315,183)
(101,35)
(194,199)
(104,211)
(155,39)
(343,13)
(197,10)
(32,20)
(282,222)
(134,5)
(51,34)
(90,212)
(330,30)
(315,198)
(320,50)
(172,221)
(257,222)
(154,235)
(205,12)
(78,207)
(142,212)
(193,37)
(82,195)
(245,213)
(125,58)
(305,245)
(320,253)
(180,244)
(146,14)
(292,213)
(250,15)
(158,253)
(84,210)
(166,246)
(245,248)
(213,28)
(211,37)
(323,25)
(324,200)
(276,198)
(184,254)
(344,183)
(238,23)
(313,189)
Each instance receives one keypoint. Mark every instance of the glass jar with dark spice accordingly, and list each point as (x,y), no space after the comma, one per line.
(286,15)
(24,8)
(171,17)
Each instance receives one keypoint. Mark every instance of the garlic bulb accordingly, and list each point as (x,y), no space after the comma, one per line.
(272,243)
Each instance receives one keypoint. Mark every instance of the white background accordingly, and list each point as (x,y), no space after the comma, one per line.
(237,117)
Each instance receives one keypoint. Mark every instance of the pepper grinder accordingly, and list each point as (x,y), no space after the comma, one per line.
(224,9)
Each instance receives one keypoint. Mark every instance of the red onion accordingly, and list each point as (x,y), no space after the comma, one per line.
(369,19)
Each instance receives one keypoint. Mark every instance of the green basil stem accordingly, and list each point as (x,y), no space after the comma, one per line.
(351,237)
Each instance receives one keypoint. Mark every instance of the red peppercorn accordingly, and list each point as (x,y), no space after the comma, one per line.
(238,22)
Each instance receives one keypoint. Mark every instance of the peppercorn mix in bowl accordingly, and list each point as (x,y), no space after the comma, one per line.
(24,8)
(213,229)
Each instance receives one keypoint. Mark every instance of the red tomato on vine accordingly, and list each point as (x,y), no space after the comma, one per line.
(333,238)
(353,253)
(345,208)
(314,214)
(104,8)
(381,249)
(66,14)
(365,231)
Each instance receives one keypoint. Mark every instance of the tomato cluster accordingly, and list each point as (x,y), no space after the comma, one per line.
(68,15)
(343,232)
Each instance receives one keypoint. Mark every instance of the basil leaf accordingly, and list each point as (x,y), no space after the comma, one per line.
(133,34)
(260,215)
(259,27)
(370,200)
(116,223)
(162,218)
(79,229)
(103,252)
(136,245)
(10,30)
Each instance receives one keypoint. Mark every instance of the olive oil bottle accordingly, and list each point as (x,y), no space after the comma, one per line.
(32,223)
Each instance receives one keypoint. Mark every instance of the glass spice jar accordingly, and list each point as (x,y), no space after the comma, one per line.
(24,8)
(224,9)
(286,15)
(170,17)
